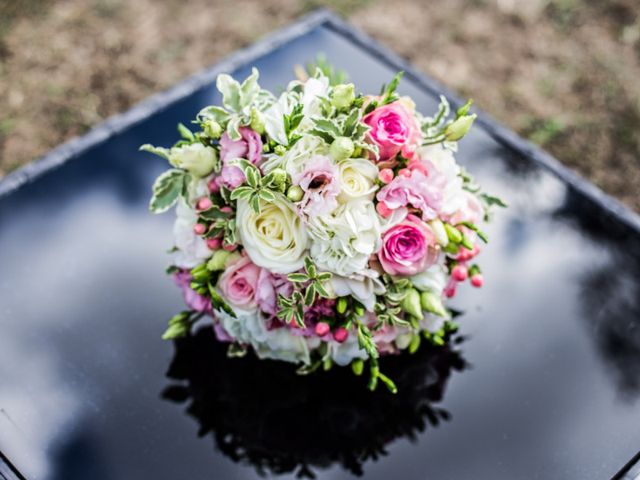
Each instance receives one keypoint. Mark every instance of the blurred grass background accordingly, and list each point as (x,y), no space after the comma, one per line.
(563,73)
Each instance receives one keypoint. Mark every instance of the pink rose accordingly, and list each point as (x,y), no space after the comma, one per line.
(393,129)
(192,299)
(249,147)
(408,248)
(424,192)
(269,286)
(239,283)
(320,185)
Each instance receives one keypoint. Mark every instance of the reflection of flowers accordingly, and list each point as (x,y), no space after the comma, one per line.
(255,409)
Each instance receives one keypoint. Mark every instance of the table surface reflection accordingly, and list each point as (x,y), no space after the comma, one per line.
(545,385)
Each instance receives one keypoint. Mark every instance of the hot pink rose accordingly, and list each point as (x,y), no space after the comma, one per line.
(239,284)
(393,129)
(249,147)
(269,286)
(408,248)
(421,191)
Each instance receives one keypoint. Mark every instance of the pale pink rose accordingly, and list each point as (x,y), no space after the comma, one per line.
(239,284)
(421,191)
(408,248)
(393,129)
(320,184)
(269,286)
(249,146)
(192,299)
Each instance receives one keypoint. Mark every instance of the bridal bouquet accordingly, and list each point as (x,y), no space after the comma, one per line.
(321,226)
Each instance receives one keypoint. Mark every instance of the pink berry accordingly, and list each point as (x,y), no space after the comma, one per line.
(459,273)
(199,228)
(229,248)
(450,291)
(385,175)
(477,280)
(383,210)
(341,334)
(214,243)
(322,328)
(204,204)
(226,209)
(405,172)
(214,186)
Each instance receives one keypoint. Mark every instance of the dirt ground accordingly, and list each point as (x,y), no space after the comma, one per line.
(564,73)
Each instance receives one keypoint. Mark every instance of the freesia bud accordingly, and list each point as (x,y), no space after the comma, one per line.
(343,95)
(256,121)
(432,303)
(295,193)
(218,260)
(212,129)
(341,148)
(341,305)
(196,158)
(411,303)
(357,366)
(437,227)
(459,128)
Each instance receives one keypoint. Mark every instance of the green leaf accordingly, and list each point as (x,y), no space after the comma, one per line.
(321,290)
(186,133)
(351,122)
(253,177)
(490,200)
(310,295)
(323,135)
(255,203)
(297,277)
(218,114)
(249,89)
(166,190)
(390,93)
(233,128)
(230,90)
(160,151)
(218,303)
(327,126)
(266,195)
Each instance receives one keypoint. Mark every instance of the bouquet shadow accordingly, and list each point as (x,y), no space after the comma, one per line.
(263,414)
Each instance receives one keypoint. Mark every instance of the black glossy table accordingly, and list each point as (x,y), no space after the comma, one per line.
(545,383)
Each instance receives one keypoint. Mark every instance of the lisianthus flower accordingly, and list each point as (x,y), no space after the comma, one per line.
(248,147)
(239,284)
(319,181)
(393,129)
(408,248)
(192,299)
(421,191)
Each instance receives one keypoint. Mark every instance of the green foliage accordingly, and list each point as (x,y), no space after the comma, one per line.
(167,188)
(388,92)
(322,66)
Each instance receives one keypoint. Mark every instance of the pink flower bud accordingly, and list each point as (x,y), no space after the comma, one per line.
(383,210)
(385,175)
(214,243)
(199,228)
(459,273)
(204,203)
(322,328)
(341,334)
(214,186)
(229,248)
(450,291)
(477,280)
(226,209)
(405,172)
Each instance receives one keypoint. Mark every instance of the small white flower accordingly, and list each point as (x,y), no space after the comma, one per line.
(192,249)
(344,240)
(197,159)
(433,278)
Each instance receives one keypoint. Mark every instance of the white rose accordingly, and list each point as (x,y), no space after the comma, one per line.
(192,249)
(344,240)
(357,178)
(444,161)
(275,238)
(195,158)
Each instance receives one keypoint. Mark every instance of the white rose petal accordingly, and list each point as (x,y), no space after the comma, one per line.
(357,178)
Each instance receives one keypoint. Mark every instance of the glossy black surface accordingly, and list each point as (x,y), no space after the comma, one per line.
(553,350)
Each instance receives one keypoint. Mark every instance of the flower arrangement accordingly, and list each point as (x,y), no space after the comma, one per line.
(321,226)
